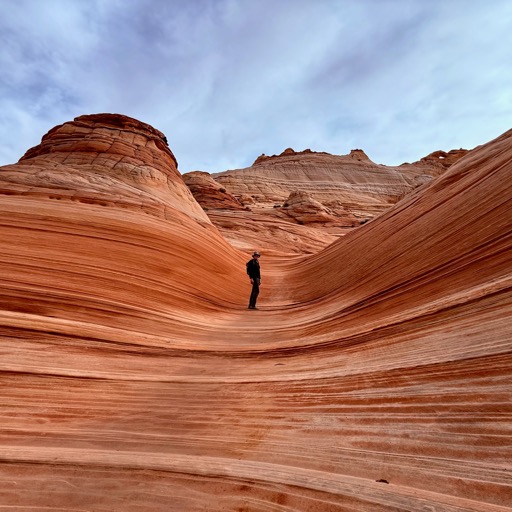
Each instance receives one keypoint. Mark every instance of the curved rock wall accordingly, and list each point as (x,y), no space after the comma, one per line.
(364,188)
(105,159)
(338,193)
(374,376)
(104,239)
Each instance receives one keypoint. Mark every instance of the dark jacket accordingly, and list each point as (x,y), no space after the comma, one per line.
(253,269)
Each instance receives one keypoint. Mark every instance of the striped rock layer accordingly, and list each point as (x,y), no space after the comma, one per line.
(363,187)
(300,202)
(374,377)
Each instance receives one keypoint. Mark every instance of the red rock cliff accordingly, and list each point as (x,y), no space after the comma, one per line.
(375,376)
(363,187)
(105,159)
(342,192)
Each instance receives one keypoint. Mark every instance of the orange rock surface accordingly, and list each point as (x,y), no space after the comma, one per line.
(374,377)
(364,188)
(210,194)
(324,195)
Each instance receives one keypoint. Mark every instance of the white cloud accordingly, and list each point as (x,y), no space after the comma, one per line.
(226,80)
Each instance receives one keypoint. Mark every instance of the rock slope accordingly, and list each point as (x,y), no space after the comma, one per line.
(330,195)
(363,187)
(375,376)
(209,193)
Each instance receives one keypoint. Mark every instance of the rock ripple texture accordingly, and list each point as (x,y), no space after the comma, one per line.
(375,376)
(364,188)
(325,196)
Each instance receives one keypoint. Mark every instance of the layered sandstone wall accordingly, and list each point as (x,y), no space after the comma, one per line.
(104,159)
(363,187)
(99,226)
(210,194)
(374,376)
(310,199)
(434,229)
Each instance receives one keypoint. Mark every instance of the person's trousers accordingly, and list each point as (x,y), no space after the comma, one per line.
(254,293)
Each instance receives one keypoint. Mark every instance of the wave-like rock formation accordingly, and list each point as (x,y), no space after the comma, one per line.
(301,225)
(330,195)
(374,377)
(365,188)
(210,194)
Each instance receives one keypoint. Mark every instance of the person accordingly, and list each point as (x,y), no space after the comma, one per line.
(253,271)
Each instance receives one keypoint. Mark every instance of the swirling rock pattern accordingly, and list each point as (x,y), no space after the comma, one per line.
(302,207)
(364,188)
(375,376)
(104,159)
(325,196)
(210,194)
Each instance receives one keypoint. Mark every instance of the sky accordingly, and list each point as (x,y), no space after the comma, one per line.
(228,80)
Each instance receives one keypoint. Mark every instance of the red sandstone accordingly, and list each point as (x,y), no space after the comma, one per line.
(375,376)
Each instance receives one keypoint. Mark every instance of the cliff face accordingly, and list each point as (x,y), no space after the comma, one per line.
(338,194)
(364,188)
(375,375)
(104,159)
(90,217)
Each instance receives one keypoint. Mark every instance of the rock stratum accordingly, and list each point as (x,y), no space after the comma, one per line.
(364,187)
(375,376)
(299,202)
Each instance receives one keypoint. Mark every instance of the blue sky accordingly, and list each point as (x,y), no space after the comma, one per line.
(228,80)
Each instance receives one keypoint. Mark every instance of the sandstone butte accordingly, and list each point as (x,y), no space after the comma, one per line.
(375,376)
(299,202)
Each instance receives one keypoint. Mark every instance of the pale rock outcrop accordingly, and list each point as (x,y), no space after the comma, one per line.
(342,193)
(305,210)
(210,194)
(364,188)
(246,199)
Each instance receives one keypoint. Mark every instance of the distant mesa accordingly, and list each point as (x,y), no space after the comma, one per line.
(341,190)
(286,152)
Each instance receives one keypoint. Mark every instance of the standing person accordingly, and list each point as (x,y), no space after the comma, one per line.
(253,271)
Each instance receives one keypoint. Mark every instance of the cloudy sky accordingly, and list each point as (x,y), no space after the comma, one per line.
(228,80)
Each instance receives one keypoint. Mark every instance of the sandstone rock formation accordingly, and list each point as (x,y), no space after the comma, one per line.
(108,160)
(306,210)
(342,191)
(364,188)
(375,376)
(438,161)
(274,231)
(210,194)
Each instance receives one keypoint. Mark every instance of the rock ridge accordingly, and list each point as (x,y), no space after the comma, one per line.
(59,138)
(358,154)
(344,191)
(374,376)
(104,159)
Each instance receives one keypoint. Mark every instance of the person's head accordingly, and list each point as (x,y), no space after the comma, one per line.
(255,255)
